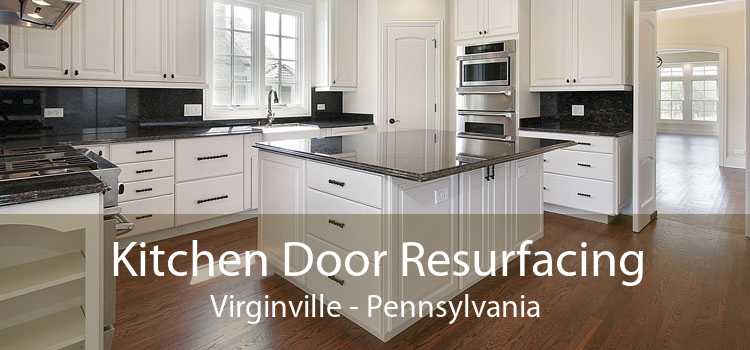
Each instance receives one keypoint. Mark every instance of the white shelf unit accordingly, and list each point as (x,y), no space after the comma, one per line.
(60,330)
(39,275)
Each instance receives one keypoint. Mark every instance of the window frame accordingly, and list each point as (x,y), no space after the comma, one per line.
(687,79)
(304,13)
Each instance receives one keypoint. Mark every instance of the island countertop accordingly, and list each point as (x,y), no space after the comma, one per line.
(416,155)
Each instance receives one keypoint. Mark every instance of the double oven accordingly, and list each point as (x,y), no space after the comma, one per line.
(486,92)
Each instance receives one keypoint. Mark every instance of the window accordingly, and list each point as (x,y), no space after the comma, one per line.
(258,46)
(671,72)
(672,97)
(705,100)
(706,71)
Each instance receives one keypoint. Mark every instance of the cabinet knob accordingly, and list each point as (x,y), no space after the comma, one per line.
(485,32)
(66,72)
(172,76)
(480,32)
(334,82)
(574,81)
(165,75)
(75,72)
(567,81)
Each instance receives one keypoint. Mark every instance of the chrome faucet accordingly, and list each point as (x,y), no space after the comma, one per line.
(271,115)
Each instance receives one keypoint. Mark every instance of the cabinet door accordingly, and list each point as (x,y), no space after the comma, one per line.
(252,172)
(470,18)
(97,40)
(40,53)
(551,33)
(598,56)
(474,219)
(529,207)
(187,41)
(5,55)
(145,40)
(501,17)
(500,212)
(344,39)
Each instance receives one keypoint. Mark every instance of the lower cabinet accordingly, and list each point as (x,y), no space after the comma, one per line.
(150,215)
(251,171)
(205,199)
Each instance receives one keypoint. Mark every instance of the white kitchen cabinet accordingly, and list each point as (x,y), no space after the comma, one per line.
(164,40)
(208,198)
(5,55)
(252,170)
(528,205)
(206,157)
(336,36)
(581,45)
(485,18)
(88,46)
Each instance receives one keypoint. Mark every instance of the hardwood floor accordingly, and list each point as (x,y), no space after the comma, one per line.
(695,295)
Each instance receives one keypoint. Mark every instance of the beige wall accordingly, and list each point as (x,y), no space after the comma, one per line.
(718,30)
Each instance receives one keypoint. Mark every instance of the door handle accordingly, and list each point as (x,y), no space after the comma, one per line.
(393,121)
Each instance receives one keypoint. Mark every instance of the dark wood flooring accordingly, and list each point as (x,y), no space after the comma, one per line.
(695,295)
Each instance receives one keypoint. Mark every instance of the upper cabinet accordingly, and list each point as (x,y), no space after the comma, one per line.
(88,46)
(477,19)
(336,38)
(581,45)
(165,40)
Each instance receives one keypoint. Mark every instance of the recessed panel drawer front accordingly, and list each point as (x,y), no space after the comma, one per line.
(141,152)
(349,291)
(598,144)
(577,193)
(590,165)
(147,170)
(209,157)
(353,185)
(343,223)
(204,199)
(131,191)
(150,215)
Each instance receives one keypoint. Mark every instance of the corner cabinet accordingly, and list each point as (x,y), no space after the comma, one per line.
(336,36)
(581,45)
(165,40)
(476,19)
(89,46)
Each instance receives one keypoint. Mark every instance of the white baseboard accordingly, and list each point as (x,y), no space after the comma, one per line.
(578,213)
(190,228)
(735,162)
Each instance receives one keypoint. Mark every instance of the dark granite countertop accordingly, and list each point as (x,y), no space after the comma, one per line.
(416,158)
(48,187)
(581,126)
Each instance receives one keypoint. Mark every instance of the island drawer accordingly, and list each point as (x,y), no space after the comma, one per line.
(353,185)
(141,151)
(150,215)
(343,223)
(209,157)
(585,194)
(130,191)
(598,144)
(599,166)
(146,170)
(203,199)
(349,291)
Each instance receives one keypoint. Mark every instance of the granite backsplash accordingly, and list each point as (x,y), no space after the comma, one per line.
(613,109)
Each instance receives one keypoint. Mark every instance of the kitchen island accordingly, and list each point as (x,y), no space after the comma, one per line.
(376,191)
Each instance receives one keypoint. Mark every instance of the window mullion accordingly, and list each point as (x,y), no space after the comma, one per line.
(232,100)
(688,108)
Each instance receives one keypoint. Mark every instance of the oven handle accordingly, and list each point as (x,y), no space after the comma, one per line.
(487,92)
(123,226)
(466,135)
(484,114)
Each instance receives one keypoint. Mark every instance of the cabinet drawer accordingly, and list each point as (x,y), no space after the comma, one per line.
(349,291)
(351,130)
(577,193)
(147,170)
(200,200)
(141,152)
(353,185)
(209,157)
(343,223)
(599,144)
(150,215)
(600,166)
(130,191)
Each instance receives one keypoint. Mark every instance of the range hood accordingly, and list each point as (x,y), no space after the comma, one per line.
(44,14)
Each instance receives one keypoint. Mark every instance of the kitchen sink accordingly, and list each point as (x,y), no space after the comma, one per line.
(288,127)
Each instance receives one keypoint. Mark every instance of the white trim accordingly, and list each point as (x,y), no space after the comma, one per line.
(723,86)
(99,83)
(581,88)
(736,162)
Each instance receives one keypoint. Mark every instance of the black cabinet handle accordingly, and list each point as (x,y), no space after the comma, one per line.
(101,153)
(121,189)
(75,72)
(172,76)
(144,217)
(480,32)
(66,72)
(337,183)
(485,32)
(337,280)
(574,81)
(145,152)
(165,75)
(545,188)
(212,199)
(340,225)
(584,143)
(567,81)
(144,190)
(584,165)
(200,159)
(584,195)
(145,171)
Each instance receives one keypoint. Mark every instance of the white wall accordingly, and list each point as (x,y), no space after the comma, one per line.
(719,30)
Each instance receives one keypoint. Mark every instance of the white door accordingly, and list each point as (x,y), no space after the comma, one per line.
(145,40)
(344,39)
(598,42)
(468,18)
(97,40)
(187,38)
(411,87)
(551,42)
(501,17)
(40,53)
(644,118)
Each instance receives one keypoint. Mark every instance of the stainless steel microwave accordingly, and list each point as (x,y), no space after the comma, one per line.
(488,65)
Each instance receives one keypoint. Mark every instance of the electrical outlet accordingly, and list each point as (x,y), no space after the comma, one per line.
(321,106)
(441,195)
(578,110)
(193,110)
(54,113)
